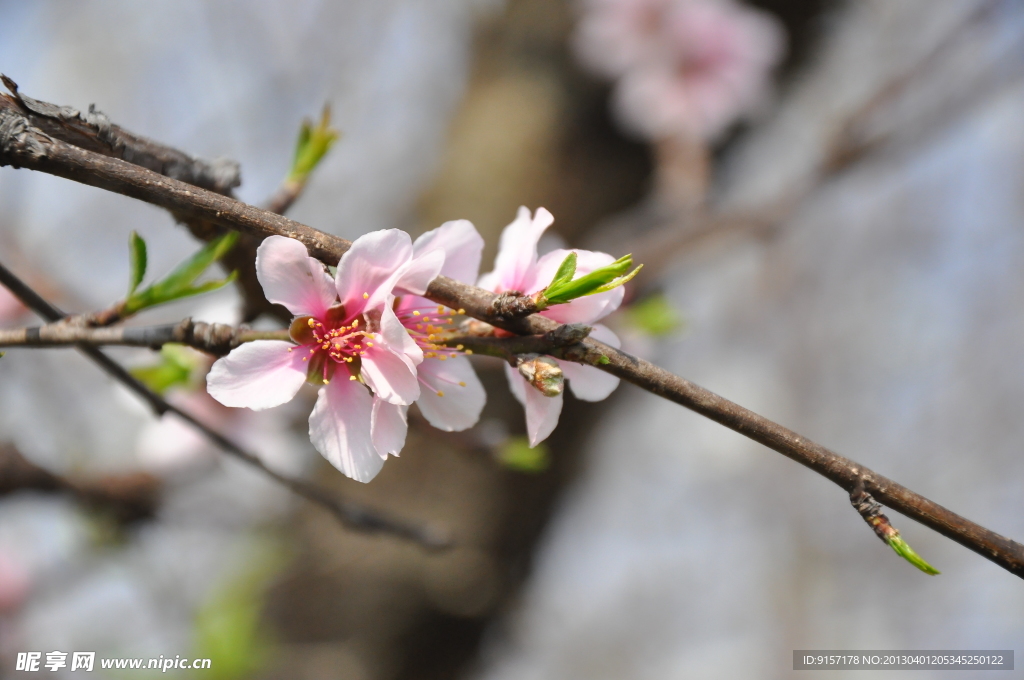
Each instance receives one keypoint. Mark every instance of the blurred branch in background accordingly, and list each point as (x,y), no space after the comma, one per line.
(350,514)
(25,146)
(125,497)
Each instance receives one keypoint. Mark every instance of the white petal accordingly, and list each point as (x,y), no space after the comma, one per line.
(339,428)
(389,427)
(368,271)
(517,251)
(394,334)
(541,412)
(292,278)
(462,246)
(588,383)
(416,274)
(392,376)
(258,375)
(460,406)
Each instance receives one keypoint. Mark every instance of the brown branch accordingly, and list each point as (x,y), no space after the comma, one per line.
(213,338)
(94,131)
(21,145)
(350,514)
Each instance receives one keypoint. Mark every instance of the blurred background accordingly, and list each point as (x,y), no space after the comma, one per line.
(826,196)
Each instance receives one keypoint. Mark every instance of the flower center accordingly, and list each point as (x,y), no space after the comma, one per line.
(332,343)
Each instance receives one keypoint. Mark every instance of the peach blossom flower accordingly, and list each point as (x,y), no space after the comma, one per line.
(349,342)
(518,268)
(683,67)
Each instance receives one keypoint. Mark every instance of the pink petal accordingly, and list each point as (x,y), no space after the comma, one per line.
(461,405)
(394,335)
(416,274)
(339,428)
(258,375)
(462,247)
(389,427)
(517,251)
(292,278)
(541,412)
(392,376)
(368,271)
(586,309)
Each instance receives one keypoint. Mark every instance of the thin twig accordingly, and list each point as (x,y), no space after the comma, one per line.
(351,515)
(213,338)
(21,145)
(127,497)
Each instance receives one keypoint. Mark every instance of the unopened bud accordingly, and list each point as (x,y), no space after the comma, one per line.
(543,373)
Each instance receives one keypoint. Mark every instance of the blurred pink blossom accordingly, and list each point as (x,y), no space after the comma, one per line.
(10,306)
(15,582)
(686,68)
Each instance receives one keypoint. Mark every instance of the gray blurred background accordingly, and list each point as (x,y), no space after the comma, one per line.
(868,295)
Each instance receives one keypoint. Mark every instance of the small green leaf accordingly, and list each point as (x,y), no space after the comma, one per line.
(654,316)
(604,361)
(515,453)
(177,366)
(178,283)
(229,626)
(906,552)
(615,283)
(312,145)
(566,270)
(600,280)
(137,261)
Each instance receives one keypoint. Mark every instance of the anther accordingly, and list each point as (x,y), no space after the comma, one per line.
(440,394)
(366,295)
(462,384)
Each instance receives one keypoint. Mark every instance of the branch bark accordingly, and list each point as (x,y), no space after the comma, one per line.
(22,145)
(213,338)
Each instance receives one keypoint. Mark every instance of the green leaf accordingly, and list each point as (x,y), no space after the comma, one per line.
(906,552)
(178,283)
(177,366)
(137,261)
(228,627)
(566,270)
(654,316)
(562,290)
(312,145)
(515,453)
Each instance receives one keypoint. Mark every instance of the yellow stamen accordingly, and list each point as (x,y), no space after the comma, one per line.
(440,394)
(415,313)
(469,351)
(366,295)
(462,384)
(460,347)
(351,377)
(440,309)
(462,311)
